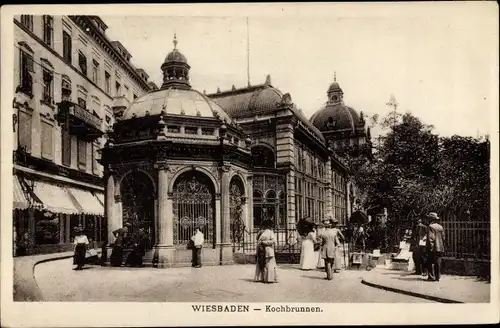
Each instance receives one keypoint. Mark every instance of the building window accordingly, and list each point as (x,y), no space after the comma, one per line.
(107,82)
(47,141)
(95,72)
(67,50)
(190,130)
(46,229)
(48,87)
(82,62)
(95,157)
(66,146)
(118,89)
(24,131)
(26,79)
(48,29)
(135,96)
(27,21)
(82,153)
(82,103)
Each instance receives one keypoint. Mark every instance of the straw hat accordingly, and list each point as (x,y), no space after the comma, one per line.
(433,215)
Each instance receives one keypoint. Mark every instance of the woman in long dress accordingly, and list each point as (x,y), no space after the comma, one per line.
(337,265)
(308,261)
(266,259)
(81,242)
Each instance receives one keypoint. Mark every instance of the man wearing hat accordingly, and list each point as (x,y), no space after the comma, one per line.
(120,234)
(330,242)
(435,247)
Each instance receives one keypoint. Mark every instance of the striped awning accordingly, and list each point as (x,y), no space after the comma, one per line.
(20,201)
(89,204)
(100,196)
(55,198)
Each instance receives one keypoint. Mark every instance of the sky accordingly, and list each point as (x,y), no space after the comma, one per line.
(440,65)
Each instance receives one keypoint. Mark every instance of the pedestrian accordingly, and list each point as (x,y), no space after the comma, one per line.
(330,242)
(81,242)
(267,243)
(419,251)
(198,240)
(337,263)
(435,247)
(116,258)
(307,259)
(319,231)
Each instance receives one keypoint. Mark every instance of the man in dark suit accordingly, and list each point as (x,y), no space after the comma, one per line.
(435,247)
(419,242)
(330,241)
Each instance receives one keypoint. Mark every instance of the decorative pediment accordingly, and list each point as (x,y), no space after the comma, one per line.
(82,89)
(47,62)
(24,46)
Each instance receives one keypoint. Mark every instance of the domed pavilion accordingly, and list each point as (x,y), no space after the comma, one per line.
(174,161)
(341,125)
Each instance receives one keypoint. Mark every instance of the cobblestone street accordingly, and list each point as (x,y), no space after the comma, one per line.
(58,282)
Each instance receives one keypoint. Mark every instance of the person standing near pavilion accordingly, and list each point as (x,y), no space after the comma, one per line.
(435,247)
(198,240)
(120,234)
(266,243)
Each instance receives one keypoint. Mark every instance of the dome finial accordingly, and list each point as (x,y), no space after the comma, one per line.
(335,76)
(175,41)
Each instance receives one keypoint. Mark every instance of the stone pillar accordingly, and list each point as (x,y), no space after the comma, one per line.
(290,199)
(249,205)
(109,209)
(328,189)
(226,256)
(164,249)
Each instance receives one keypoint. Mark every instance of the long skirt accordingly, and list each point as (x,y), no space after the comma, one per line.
(337,265)
(270,275)
(321,261)
(307,259)
(116,258)
(260,264)
(79,257)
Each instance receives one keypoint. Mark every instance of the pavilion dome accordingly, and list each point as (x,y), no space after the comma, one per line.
(174,101)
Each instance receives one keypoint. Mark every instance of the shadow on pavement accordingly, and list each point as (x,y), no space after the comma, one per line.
(313,277)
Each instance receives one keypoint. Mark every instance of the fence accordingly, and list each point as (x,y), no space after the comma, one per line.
(287,248)
(467,239)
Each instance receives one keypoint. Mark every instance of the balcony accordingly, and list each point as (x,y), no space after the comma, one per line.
(81,122)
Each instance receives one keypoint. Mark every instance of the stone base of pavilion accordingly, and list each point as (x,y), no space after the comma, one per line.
(175,257)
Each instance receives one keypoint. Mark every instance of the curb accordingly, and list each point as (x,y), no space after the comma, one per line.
(26,289)
(409,293)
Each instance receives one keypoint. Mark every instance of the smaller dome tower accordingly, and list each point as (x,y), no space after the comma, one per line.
(175,70)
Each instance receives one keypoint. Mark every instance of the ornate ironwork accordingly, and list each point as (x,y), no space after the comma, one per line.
(236,196)
(193,206)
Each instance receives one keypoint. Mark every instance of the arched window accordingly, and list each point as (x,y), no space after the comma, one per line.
(263,157)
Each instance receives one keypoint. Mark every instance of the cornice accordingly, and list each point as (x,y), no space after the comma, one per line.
(87,26)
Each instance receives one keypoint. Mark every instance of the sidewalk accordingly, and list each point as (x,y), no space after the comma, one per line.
(450,289)
(25,286)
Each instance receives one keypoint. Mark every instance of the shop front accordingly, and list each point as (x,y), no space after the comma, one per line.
(46,212)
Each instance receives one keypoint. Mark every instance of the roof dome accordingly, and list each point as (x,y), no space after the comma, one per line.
(175,56)
(175,101)
(335,116)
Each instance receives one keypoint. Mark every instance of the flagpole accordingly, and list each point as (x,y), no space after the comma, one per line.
(248,54)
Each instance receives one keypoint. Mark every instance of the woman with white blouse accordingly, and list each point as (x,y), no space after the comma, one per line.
(81,242)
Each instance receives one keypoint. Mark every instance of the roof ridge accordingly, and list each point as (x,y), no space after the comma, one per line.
(241,90)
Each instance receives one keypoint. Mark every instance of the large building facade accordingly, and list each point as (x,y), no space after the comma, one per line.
(67,76)
(226,162)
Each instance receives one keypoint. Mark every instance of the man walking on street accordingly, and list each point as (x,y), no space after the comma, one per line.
(330,242)
(435,247)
